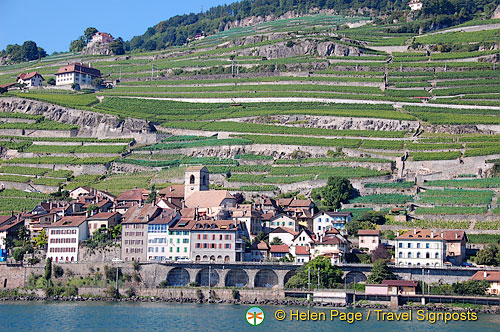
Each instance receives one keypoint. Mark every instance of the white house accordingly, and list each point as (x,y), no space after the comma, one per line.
(304,238)
(301,253)
(102,37)
(76,73)
(283,220)
(420,247)
(493,277)
(415,5)
(64,237)
(33,79)
(325,220)
(332,245)
(158,239)
(286,235)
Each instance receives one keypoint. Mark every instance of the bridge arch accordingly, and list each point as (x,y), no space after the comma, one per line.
(288,275)
(236,278)
(206,275)
(355,276)
(178,276)
(266,278)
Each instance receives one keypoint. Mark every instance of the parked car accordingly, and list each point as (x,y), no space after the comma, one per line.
(183,260)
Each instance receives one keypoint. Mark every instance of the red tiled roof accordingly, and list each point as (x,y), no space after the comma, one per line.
(260,246)
(333,239)
(207,199)
(420,234)
(332,231)
(133,195)
(267,216)
(454,235)
(165,217)
(280,248)
(4,219)
(27,76)
(69,221)
(487,275)
(401,283)
(8,85)
(140,214)
(369,232)
(301,250)
(103,215)
(301,203)
(284,230)
(12,223)
(79,68)
(175,190)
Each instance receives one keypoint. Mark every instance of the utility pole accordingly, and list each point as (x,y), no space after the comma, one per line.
(116,283)
(209,281)
(309,279)
(319,269)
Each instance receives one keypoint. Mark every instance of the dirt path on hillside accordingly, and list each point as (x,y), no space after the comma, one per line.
(309,100)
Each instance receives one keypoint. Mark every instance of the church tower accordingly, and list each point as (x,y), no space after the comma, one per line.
(196,179)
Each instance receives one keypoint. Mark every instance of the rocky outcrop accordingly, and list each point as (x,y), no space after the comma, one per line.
(97,48)
(496,13)
(463,129)
(301,47)
(338,123)
(91,124)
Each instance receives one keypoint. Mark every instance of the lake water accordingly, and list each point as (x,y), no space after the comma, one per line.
(90,316)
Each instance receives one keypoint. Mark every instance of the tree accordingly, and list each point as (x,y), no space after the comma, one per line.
(91,209)
(373,217)
(97,82)
(23,235)
(47,275)
(89,33)
(51,81)
(41,240)
(18,254)
(276,241)
(239,198)
(41,53)
(330,275)
(77,45)
(261,236)
(470,287)
(152,194)
(380,271)
(336,191)
(488,255)
(3,90)
(354,226)
(58,271)
(117,47)
(116,231)
(380,253)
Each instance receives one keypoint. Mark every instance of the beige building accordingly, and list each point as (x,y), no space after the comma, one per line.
(135,231)
(369,239)
(103,219)
(76,73)
(456,242)
(196,179)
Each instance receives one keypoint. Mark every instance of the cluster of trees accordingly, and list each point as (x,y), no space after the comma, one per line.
(490,255)
(469,287)
(117,46)
(330,276)
(336,191)
(28,51)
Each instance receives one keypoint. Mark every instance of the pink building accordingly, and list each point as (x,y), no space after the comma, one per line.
(102,37)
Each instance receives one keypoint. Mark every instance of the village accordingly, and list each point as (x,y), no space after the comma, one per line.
(191,223)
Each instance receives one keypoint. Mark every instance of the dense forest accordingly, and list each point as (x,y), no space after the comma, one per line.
(28,51)
(435,14)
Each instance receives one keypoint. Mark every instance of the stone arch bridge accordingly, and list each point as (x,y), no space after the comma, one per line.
(275,275)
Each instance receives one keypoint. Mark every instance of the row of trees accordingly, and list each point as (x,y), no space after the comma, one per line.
(28,51)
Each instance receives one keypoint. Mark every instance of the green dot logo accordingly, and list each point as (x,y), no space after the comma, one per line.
(255,316)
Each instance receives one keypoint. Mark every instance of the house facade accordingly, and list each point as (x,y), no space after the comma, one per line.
(64,237)
(102,37)
(455,242)
(420,247)
(103,219)
(325,220)
(179,239)
(369,239)
(158,246)
(33,79)
(76,73)
(217,241)
(135,231)
(493,277)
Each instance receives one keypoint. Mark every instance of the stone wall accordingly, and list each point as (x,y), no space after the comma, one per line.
(77,169)
(91,124)
(28,187)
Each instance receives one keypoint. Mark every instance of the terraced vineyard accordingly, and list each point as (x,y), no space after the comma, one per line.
(277,107)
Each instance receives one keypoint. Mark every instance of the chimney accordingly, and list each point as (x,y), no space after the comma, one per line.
(442,235)
(414,231)
(432,234)
(485,274)
(456,235)
(171,189)
(169,199)
(183,204)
